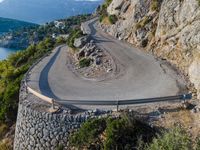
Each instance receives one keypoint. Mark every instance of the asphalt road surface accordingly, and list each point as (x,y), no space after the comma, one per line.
(140,75)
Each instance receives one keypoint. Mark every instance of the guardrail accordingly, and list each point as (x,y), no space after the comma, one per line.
(117,103)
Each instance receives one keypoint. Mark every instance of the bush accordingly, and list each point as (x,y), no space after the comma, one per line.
(101,17)
(108,2)
(198,2)
(76,33)
(124,133)
(175,139)
(84,62)
(143,22)
(60,147)
(154,5)
(5,145)
(3,129)
(112,133)
(88,133)
(102,10)
(112,19)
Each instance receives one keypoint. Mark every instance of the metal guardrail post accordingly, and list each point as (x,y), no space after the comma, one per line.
(184,98)
(117,105)
(53,104)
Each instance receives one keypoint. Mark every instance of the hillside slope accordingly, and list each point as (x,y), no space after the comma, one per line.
(169,29)
(7,25)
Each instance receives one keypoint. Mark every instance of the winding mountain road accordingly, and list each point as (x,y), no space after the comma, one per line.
(140,75)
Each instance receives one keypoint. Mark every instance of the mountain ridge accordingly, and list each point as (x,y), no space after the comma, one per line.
(7,24)
(45,11)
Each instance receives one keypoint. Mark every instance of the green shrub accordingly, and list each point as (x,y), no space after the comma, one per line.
(154,5)
(145,20)
(112,19)
(84,62)
(60,147)
(175,139)
(124,133)
(101,17)
(5,145)
(112,133)
(60,40)
(3,129)
(102,10)
(75,33)
(108,2)
(11,74)
(198,2)
(88,133)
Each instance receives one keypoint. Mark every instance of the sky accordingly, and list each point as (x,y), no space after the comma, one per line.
(75,0)
(41,11)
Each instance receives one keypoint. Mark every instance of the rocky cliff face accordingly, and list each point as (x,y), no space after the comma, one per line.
(170,29)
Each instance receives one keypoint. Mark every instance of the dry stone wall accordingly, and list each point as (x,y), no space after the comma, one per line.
(38,129)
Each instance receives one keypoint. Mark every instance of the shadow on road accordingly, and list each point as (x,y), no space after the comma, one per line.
(43,80)
(44,83)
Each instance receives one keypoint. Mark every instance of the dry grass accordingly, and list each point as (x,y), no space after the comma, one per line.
(106,21)
(188,120)
(5,145)
(3,129)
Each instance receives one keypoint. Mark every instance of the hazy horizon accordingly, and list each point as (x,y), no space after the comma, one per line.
(40,12)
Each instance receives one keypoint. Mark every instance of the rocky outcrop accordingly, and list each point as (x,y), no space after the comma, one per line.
(101,64)
(167,28)
(80,42)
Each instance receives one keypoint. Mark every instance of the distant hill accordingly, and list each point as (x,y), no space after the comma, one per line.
(7,25)
(42,11)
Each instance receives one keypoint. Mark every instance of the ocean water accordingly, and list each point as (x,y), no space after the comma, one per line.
(4,52)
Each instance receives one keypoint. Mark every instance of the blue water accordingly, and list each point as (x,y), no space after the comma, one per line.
(4,52)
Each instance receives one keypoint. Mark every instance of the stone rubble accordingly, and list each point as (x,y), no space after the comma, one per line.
(101,63)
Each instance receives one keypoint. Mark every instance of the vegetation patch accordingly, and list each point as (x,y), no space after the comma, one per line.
(3,129)
(154,5)
(84,62)
(5,145)
(112,133)
(130,133)
(74,34)
(175,139)
(141,24)
(11,73)
(113,19)
(103,15)
(13,69)
(24,37)
(198,2)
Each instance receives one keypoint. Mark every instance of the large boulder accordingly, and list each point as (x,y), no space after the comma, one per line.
(115,7)
(80,42)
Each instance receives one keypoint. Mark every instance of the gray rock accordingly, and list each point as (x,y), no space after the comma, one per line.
(81,54)
(54,142)
(32,131)
(80,42)
(98,61)
(45,132)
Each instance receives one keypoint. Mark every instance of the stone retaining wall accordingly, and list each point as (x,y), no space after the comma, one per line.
(38,129)
(42,131)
